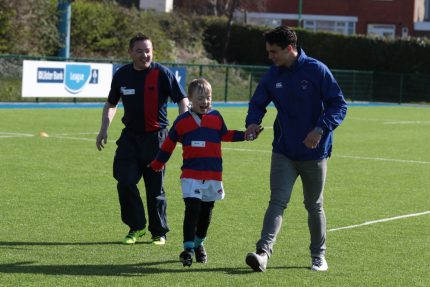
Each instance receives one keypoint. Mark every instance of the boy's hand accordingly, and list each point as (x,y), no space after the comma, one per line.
(156,166)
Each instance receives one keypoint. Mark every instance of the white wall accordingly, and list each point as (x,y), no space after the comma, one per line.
(157,5)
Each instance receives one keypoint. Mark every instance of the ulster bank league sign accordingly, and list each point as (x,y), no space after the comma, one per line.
(65,79)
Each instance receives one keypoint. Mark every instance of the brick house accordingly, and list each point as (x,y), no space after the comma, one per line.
(386,18)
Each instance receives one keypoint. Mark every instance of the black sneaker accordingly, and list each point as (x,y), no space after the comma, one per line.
(201,256)
(257,261)
(186,257)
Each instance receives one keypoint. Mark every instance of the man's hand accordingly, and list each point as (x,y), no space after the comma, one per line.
(312,139)
(101,140)
(253,131)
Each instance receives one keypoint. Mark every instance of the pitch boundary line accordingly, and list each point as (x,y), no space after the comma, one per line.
(380,220)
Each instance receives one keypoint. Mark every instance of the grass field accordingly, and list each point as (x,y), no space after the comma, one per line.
(60,222)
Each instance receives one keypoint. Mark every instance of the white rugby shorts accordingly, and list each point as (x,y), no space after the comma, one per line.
(205,190)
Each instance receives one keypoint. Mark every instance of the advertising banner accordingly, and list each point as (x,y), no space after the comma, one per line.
(43,79)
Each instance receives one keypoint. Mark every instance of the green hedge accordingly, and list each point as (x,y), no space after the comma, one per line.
(337,51)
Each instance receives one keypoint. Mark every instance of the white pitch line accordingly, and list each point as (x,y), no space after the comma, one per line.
(4,137)
(71,138)
(65,136)
(71,134)
(342,156)
(244,149)
(381,220)
(7,134)
(384,159)
(407,123)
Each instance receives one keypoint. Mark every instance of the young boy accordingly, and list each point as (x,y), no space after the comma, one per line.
(200,131)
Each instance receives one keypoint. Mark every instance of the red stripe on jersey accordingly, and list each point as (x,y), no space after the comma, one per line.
(228,137)
(212,122)
(150,98)
(202,175)
(168,145)
(210,150)
(186,125)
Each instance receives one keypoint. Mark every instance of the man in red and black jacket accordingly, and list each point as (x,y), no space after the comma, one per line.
(144,88)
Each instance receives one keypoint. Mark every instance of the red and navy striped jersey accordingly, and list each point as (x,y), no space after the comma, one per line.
(201,144)
(144,95)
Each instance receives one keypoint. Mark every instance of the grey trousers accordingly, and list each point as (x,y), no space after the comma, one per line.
(283,175)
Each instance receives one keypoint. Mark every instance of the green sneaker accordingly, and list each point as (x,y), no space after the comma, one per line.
(159,240)
(133,235)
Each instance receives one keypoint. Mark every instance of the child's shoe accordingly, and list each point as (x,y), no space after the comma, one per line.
(186,257)
(201,256)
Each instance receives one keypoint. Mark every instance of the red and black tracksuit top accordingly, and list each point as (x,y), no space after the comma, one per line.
(144,95)
(201,144)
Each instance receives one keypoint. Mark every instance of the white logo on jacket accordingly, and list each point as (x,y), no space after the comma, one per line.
(304,84)
(279,85)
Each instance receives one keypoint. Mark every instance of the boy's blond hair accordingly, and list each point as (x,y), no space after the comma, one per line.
(199,86)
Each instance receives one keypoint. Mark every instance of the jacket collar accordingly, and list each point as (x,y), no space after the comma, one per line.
(301,56)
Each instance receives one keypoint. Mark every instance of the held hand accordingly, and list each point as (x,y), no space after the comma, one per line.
(101,140)
(253,131)
(155,167)
(312,139)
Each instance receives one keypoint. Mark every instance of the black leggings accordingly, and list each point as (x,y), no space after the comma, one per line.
(197,218)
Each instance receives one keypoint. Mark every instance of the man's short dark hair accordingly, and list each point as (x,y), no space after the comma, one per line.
(281,36)
(136,38)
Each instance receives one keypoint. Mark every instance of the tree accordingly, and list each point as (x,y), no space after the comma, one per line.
(232,6)
(221,8)
(33,30)
(6,14)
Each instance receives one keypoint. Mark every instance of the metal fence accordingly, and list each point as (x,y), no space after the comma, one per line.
(236,83)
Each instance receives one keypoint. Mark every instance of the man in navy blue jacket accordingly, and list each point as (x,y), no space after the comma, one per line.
(310,106)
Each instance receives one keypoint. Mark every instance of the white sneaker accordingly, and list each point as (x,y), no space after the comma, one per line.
(319,264)
(257,261)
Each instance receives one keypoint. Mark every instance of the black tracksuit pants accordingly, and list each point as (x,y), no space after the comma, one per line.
(133,154)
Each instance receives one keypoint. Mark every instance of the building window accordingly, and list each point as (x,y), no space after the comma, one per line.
(381,30)
(427,10)
(341,27)
(263,21)
(351,28)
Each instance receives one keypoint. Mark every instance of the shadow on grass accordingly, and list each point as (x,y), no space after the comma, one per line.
(140,269)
